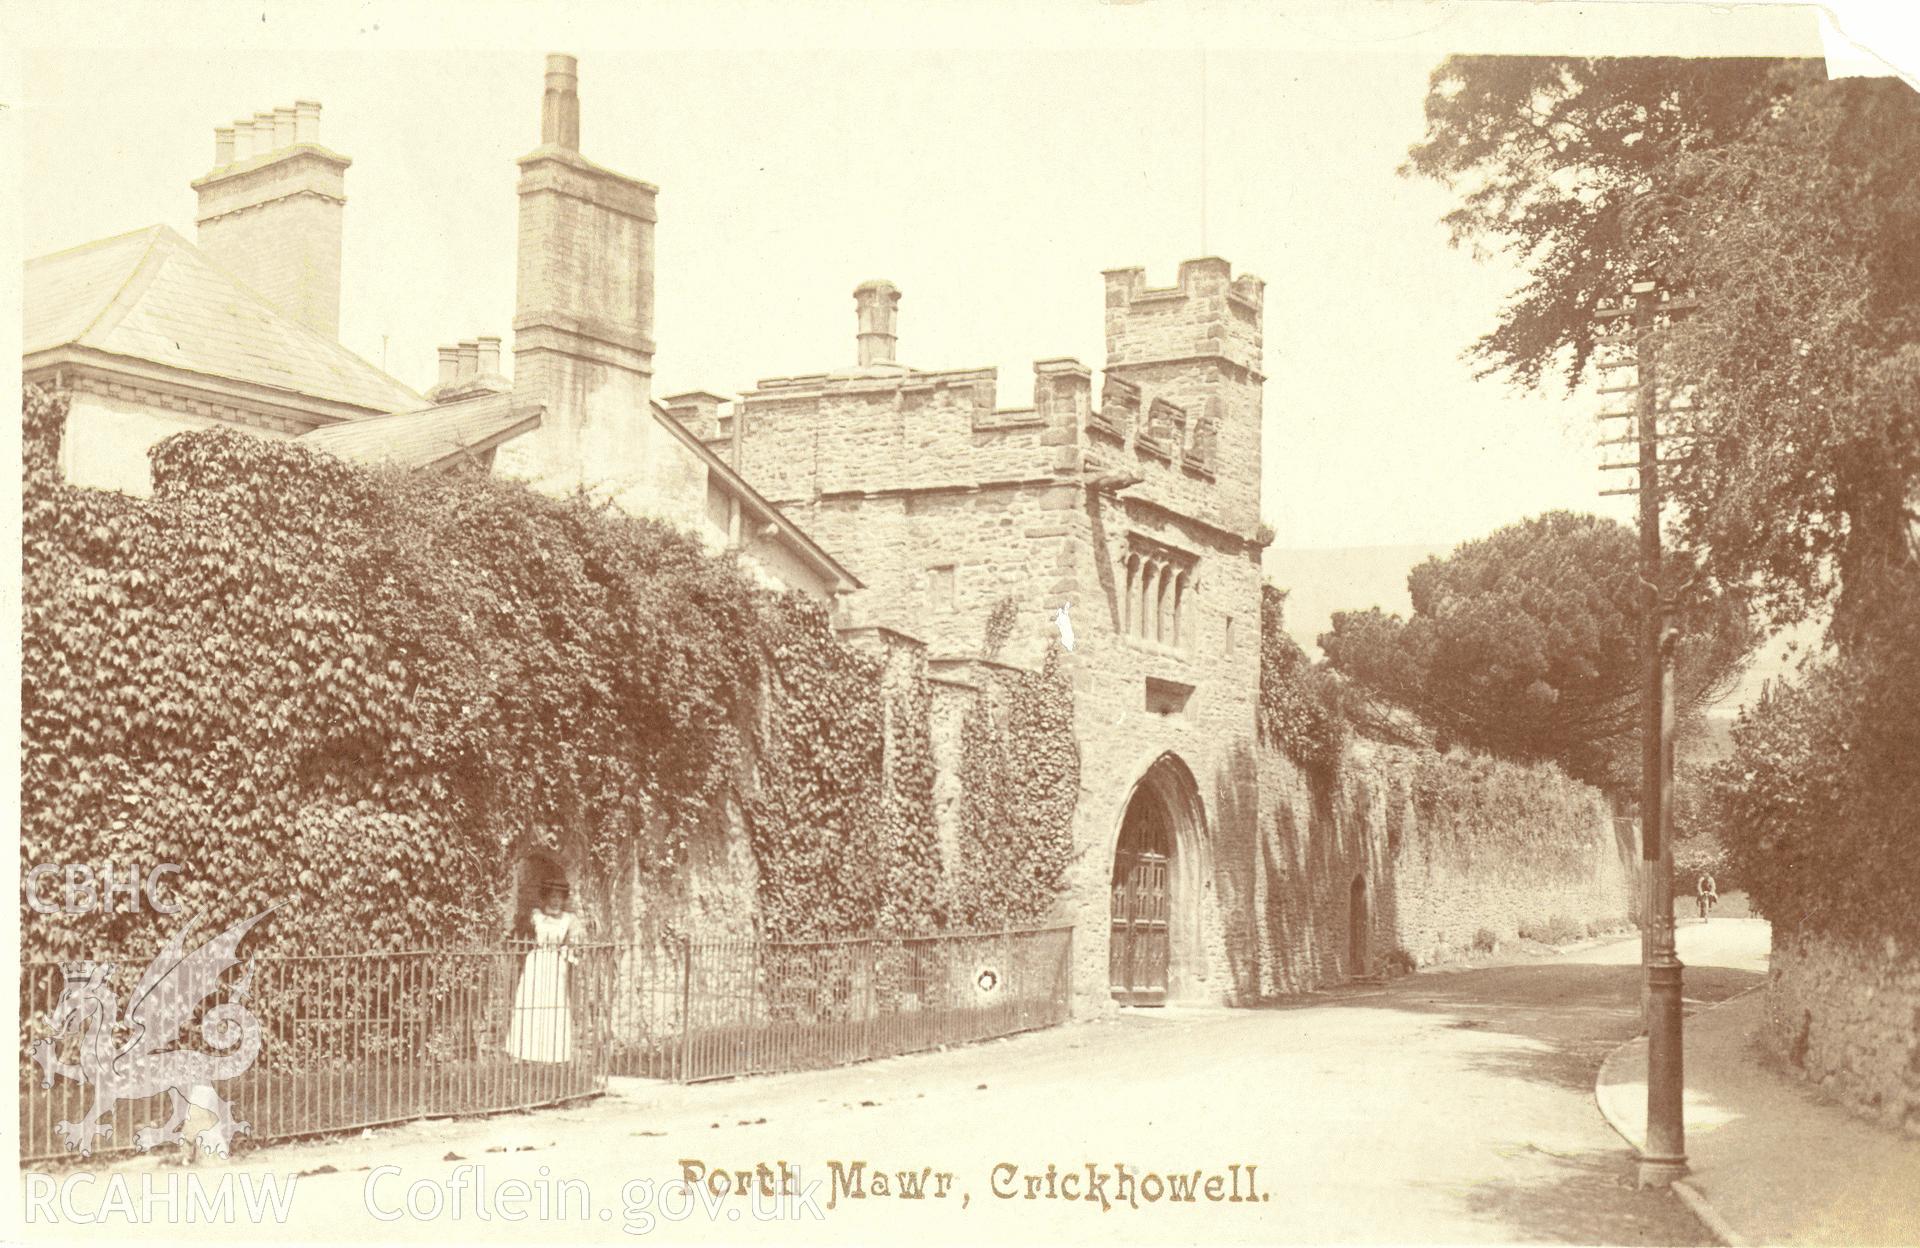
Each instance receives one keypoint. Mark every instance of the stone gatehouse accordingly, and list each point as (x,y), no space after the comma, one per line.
(1125,519)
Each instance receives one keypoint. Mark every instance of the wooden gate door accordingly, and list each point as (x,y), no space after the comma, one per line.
(1137,949)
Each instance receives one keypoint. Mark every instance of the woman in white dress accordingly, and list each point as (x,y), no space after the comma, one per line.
(542,1026)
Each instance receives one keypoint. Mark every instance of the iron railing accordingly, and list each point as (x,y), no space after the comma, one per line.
(357,1040)
(350,1041)
(690,1010)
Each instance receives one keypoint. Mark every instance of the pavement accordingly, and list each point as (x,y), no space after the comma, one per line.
(1437,1108)
(1772,1160)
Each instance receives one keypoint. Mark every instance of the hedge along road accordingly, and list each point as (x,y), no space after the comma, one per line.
(1451,1106)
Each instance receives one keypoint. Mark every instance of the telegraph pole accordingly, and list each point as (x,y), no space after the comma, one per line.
(1641,314)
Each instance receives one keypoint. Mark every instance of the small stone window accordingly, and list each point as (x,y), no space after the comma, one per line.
(940,587)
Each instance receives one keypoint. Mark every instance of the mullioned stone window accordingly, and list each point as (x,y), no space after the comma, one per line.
(1157,590)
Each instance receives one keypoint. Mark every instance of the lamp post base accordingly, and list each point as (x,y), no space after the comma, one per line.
(1662,1171)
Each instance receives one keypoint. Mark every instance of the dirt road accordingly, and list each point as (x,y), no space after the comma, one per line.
(1451,1107)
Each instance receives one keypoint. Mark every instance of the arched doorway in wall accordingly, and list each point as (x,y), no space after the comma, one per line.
(1151,927)
(1359,929)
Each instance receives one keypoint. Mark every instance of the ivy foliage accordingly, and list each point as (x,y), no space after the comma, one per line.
(914,891)
(1475,806)
(999,627)
(358,693)
(1020,782)
(361,694)
(815,812)
(1300,709)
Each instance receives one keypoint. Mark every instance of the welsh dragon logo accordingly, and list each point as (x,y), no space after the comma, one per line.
(143,1064)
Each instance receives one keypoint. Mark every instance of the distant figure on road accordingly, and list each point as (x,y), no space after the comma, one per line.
(1707,894)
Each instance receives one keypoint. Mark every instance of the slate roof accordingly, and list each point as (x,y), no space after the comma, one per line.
(152,295)
(428,436)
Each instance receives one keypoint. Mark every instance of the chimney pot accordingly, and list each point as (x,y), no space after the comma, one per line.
(306,121)
(469,360)
(560,107)
(489,355)
(243,138)
(876,306)
(449,365)
(222,146)
(282,127)
(262,133)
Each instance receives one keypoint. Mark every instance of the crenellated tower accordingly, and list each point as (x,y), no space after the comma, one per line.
(1183,380)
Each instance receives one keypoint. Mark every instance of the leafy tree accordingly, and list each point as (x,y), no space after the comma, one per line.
(1791,206)
(1525,644)
(1816,806)
(1545,154)
(1803,242)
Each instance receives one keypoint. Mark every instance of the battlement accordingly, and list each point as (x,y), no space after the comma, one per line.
(1062,393)
(1208,312)
(1209,275)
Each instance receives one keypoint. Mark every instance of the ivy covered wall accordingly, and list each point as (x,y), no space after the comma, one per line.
(1020,776)
(1455,853)
(1431,855)
(366,695)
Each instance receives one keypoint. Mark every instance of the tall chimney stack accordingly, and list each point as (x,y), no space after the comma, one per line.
(583,305)
(877,306)
(560,109)
(272,215)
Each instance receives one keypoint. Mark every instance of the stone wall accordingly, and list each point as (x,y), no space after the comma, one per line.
(1848,1018)
(1529,849)
(1515,848)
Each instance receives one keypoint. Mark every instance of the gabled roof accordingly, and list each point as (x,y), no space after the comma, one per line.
(430,437)
(151,295)
(756,504)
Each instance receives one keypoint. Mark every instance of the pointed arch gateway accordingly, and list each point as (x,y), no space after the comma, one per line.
(1152,925)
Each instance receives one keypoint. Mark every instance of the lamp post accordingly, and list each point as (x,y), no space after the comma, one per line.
(1644,311)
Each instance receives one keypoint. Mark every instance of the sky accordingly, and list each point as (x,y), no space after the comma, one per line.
(988,163)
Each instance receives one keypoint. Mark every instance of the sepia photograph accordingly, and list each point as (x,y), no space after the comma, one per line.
(1128,622)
